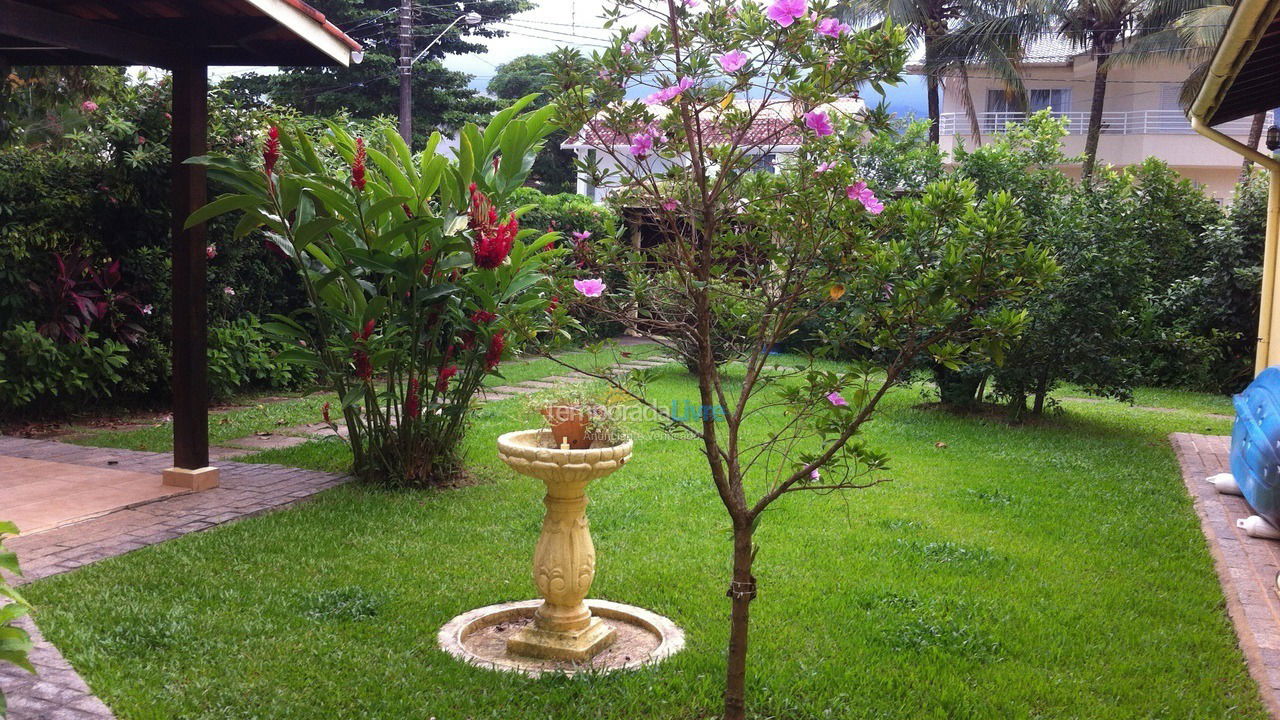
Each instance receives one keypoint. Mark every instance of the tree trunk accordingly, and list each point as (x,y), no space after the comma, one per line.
(741,592)
(1255,137)
(1095,119)
(975,127)
(1042,389)
(931,85)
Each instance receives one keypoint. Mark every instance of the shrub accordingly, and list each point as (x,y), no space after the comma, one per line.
(241,356)
(417,275)
(38,374)
(84,220)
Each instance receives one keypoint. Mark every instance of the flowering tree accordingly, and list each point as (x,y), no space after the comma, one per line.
(417,276)
(930,276)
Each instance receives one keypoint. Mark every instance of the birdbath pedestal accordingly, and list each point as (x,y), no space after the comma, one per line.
(564,561)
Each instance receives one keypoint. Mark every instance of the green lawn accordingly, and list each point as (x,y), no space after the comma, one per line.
(275,415)
(1051,570)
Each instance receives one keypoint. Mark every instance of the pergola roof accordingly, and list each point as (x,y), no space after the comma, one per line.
(1244,76)
(166,33)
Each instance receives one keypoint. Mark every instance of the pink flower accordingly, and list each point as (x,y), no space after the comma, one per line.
(818,122)
(833,27)
(211,252)
(815,475)
(627,48)
(582,235)
(641,145)
(732,61)
(590,288)
(690,3)
(823,168)
(860,192)
(639,34)
(670,204)
(147,309)
(88,106)
(229,292)
(670,93)
(785,12)
(837,399)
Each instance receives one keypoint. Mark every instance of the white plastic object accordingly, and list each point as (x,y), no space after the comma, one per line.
(1255,526)
(1225,483)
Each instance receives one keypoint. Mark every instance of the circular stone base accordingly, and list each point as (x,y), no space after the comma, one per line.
(479,637)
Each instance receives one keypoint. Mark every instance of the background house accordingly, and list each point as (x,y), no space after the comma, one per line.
(1142,117)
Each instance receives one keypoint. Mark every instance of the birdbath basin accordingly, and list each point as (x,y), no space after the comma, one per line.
(564,561)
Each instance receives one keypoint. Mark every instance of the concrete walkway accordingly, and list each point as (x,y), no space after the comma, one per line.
(57,692)
(1247,567)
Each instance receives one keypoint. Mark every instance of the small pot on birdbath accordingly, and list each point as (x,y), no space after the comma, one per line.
(564,561)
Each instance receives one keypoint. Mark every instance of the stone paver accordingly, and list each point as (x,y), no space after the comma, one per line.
(270,441)
(1247,566)
(245,490)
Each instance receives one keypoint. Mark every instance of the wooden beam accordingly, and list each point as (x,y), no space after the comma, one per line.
(190,331)
(29,22)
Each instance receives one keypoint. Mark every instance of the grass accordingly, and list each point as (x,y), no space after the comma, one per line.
(1051,570)
(264,415)
(275,414)
(1166,398)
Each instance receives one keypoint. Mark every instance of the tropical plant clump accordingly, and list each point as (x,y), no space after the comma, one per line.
(938,275)
(419,278)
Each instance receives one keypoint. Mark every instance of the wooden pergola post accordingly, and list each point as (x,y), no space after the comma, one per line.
(189,138)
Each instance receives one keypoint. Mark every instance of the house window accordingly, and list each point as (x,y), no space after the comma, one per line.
(1000,101)
(1058,100)
(766,163)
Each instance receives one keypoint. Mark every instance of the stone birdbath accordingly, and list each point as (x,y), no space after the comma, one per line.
(564,561)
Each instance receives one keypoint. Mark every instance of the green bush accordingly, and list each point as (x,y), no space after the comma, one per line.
(242,357)
(39,374)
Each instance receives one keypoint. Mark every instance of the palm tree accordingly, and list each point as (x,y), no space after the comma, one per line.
(928,22)
(1192,37)
(997,42)
(1099,27)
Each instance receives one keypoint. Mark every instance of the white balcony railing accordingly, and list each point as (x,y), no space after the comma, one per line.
(1136,122)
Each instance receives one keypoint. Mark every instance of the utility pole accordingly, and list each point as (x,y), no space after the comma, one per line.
(406,70)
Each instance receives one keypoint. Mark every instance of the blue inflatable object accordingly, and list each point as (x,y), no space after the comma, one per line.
(1255,444)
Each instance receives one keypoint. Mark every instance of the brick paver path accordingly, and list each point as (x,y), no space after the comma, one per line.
(57,692)
(1246,566)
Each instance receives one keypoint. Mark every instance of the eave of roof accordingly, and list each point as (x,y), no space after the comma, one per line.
(166,33)
(1244,75)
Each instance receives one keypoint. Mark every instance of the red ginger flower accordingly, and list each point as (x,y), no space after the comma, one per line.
(364,368)
(494,354)
(411,406)
(357,166)
(442,382)
(491,249)
(483,215)
(271,151)
(482,317)
(325,410)
(364,334)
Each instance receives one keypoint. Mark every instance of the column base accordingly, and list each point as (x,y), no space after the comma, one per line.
(204,478)
(576,646)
